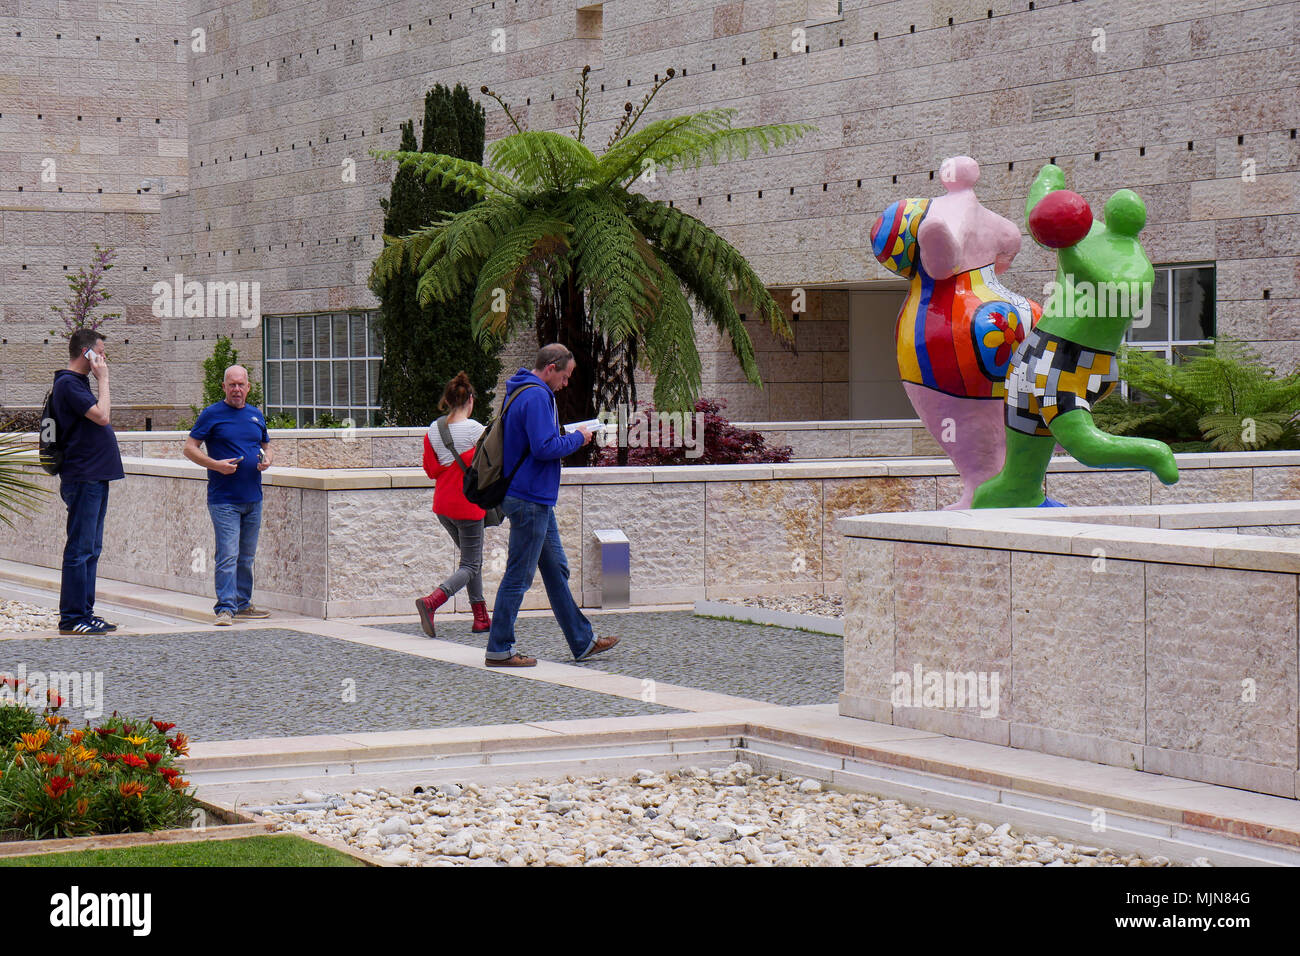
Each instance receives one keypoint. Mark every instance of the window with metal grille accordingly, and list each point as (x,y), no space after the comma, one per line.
(322,364)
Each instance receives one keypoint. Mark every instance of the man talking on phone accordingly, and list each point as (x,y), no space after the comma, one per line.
(238,451)
(90,461)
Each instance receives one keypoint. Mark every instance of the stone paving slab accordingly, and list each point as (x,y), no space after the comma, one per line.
(266,682)
(773,664)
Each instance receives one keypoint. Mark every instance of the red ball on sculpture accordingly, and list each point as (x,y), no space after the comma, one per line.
(1060,219)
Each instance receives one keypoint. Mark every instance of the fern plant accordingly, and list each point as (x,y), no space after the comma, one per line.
(558,239)
(1222,398)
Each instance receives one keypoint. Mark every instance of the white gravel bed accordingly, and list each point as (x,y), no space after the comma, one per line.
(722,817)
(822,605)
(17,616)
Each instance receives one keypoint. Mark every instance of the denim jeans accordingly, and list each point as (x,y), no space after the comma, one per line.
(535,544)
(468,538)
(87,503)
(236,527)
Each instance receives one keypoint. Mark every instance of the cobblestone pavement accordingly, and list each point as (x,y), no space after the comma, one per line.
(773,664)
(278,683)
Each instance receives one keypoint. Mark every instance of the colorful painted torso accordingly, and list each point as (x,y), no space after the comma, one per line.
(955,335)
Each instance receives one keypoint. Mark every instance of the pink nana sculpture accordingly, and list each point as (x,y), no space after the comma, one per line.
(959,326)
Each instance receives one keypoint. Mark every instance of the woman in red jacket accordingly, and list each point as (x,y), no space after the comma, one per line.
(463,520)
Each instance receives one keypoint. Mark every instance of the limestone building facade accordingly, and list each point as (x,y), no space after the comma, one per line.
(263,130)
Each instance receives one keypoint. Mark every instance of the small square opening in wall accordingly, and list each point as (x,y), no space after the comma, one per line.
(591,22)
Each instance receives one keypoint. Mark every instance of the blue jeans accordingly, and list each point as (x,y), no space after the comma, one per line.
(535,544)
(236,527)
(87,503)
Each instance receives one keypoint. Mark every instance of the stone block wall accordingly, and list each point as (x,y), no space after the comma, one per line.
(92,104)
(343,542)
(263,135)
(1126,637)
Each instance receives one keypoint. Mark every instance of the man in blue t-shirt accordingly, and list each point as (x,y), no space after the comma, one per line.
(238,451)
(90,461)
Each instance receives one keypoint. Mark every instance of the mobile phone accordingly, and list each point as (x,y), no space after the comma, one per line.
(89,356)
(237,460)
(261,455)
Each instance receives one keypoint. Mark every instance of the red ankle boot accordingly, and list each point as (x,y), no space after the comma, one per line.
(481,620)
(426,606)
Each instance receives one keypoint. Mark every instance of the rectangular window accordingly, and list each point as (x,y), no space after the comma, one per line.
(1182,313)
(323,364)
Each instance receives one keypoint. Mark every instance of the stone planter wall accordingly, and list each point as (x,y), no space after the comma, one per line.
(403,447)
(1133,637)
(364,541)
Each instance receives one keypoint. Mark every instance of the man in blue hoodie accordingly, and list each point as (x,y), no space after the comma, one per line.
(534,445)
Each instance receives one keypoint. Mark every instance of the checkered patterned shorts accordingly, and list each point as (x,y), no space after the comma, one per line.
(1050,376)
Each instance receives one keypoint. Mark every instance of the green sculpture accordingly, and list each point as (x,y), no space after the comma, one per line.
(1067,363)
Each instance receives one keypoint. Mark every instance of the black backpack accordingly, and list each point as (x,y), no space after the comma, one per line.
(486,482)
(50,451)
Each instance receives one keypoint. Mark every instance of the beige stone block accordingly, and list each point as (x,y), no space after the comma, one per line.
(845,497)
(763,532)
(882,442)
(341,452)
(1214,637)
(952,607)
(283,556)
(665,529)
(1238,774)
(1098,487)
(868,618)
(1078,637)
(1276,484)
(815,443)
(404,452)
(385,544)
(1209,484)
(926,445)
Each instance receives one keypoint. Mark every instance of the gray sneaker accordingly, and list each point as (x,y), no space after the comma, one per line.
(252,611)
(224,619)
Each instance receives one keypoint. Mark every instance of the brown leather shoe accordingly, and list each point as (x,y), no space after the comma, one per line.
(519,660)
(602,644)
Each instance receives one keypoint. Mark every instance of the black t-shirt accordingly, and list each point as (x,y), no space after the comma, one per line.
(89,450)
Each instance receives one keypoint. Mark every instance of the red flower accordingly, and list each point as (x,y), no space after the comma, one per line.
(111,758)
(180,744)
(104,731)
(131,760)
(57,787)
(178,784)
(162,728)
(48,760)
(169,772)
(153,759)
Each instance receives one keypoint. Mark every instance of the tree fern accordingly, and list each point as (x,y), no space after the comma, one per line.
(452,172)
(507,277)
(557,236)
(543,161)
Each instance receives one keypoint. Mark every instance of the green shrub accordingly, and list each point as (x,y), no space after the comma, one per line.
(1222,398)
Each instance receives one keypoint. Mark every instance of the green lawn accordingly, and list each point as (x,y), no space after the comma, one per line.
(284,850)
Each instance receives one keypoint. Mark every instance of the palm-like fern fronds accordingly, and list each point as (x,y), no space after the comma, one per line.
(669,347)
(452,172)
(690,140)
(543,161)
(18,495)
(505,281)
(615,264)
(691,239)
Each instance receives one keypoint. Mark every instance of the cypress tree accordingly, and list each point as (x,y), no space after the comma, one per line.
(425,347)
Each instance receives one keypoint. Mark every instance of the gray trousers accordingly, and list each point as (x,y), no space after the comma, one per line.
(468,538)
